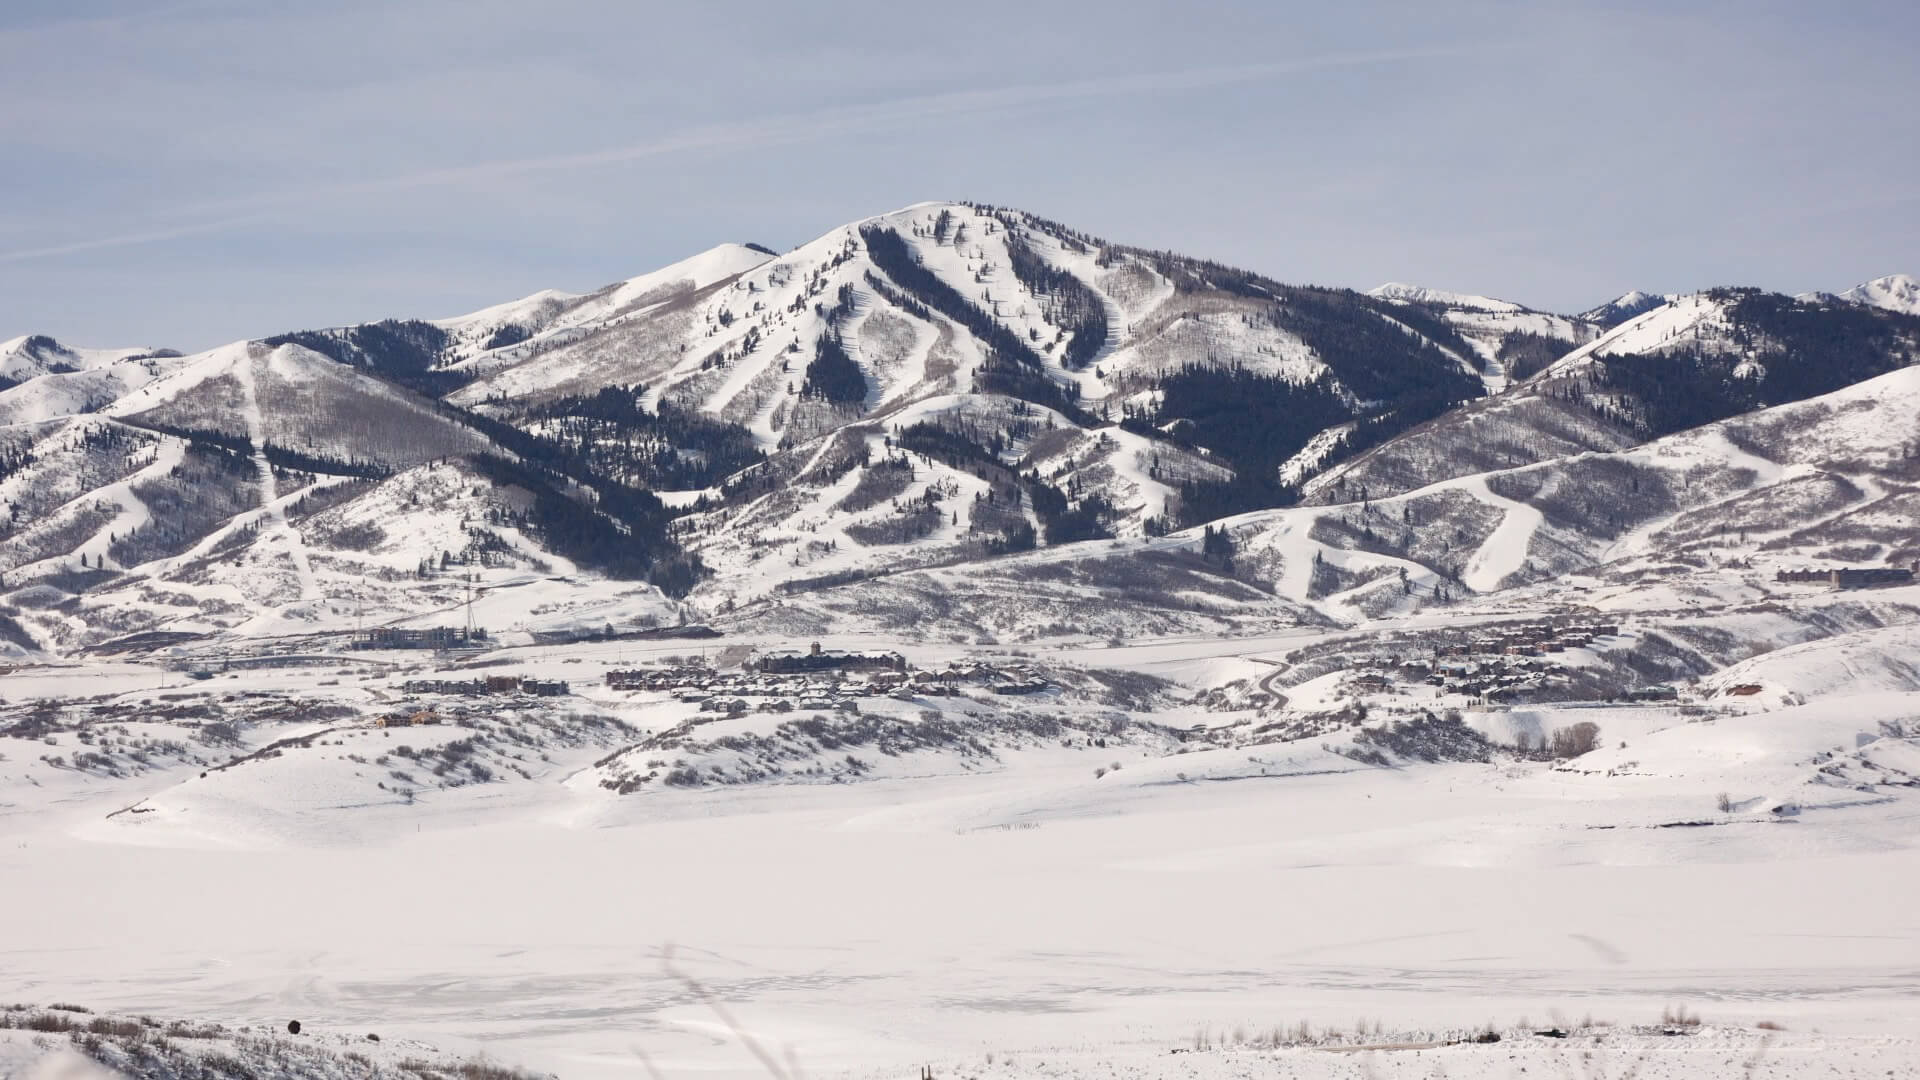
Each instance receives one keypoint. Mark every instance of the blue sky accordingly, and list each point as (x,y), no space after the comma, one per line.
(189,173)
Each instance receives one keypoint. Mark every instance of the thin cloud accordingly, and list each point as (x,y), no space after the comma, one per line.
(149,236)
(69,24)
(774,130)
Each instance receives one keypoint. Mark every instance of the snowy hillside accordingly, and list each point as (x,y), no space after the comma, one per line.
(1713,512)
(1895,292)
(1510,342)
(34,355)
(41,379)
(1535,420)
(1690,361)
(1025,811)
(509,333)
(259,490)
(294,399)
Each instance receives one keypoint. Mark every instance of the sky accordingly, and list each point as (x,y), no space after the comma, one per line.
(184,174)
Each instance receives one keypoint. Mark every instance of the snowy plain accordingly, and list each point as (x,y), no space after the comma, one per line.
(1030,909)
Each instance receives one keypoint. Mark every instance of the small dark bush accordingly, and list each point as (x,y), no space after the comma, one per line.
(125,1029)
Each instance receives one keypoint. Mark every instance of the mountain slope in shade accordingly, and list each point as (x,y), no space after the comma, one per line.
(1690,361)
(1509,341)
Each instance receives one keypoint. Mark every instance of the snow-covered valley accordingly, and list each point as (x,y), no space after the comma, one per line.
(1086,876)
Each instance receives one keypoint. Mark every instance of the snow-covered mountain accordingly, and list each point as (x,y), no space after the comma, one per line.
(1895,292)
(1623,307)
(937,299)
(928,391)
(1510,341)
(41,379)
(1692,360)
(487,338)
(255,489)
(35,355)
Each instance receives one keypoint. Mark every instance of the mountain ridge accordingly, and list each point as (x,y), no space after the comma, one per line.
(940,386)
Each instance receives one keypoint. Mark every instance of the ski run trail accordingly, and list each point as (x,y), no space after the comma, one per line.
(1505,552)
(276,512)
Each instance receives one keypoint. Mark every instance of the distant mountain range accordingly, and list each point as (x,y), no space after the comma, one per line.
(945,386)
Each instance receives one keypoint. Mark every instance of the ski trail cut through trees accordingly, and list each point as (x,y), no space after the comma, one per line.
(276,514)
(1504,552)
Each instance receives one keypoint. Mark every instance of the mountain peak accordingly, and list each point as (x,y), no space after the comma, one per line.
(1628,305)
(1895,292)
(1420,294)
(32,355)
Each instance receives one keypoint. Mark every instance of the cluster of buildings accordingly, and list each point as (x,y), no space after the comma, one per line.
(818,680)
(733,693)
(1536,640)
(407,718)
(1496,666)
(1496,678)
(418,637)
(1851,577)
(488,685)
(816,659)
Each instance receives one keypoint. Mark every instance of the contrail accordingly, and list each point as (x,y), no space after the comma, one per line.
(129,239)
(776,130)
